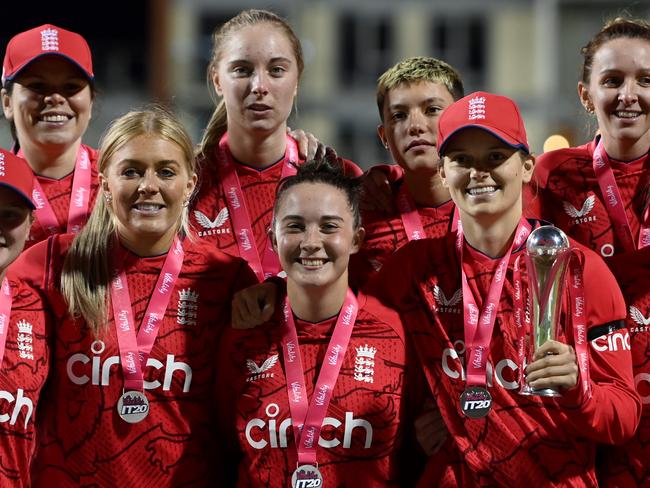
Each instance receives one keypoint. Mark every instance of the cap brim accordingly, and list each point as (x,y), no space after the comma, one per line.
(26,198)
(502,136)
(36,58)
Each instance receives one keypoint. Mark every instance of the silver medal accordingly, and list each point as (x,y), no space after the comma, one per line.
(133,406)
(306,476)
(475,402)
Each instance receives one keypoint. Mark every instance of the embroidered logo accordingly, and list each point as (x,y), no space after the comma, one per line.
(445,305)
(476,108)
(638,317)
(188,307)
(256,372)
(213,227)
(581,215)
(364,364)
(376,265)
(25,340)
(49,40)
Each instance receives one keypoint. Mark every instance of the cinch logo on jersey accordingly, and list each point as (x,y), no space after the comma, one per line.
(213,227)
(445,305)
(505,370)
(49,40)
(25,340)
(261,433)
(614,341)
(100,369)
(476,108)
(581,216)
(187,307)
(364,364)
(20,402)
(256,372)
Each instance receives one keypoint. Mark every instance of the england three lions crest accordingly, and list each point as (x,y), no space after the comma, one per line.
(188,307)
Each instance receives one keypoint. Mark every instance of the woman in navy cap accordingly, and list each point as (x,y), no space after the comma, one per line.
(47,97)
(24,349)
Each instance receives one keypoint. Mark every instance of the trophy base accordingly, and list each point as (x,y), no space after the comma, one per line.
(545,392)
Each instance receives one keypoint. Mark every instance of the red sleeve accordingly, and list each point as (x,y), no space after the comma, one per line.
(350,168)
(393,172)
(613,412)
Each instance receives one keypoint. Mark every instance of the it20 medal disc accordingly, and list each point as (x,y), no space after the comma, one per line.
(306,476)
(133,407)
(475,402)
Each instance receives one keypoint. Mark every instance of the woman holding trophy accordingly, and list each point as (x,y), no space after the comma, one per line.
(491,393)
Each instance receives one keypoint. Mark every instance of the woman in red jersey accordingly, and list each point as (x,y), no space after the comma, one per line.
(595,192)
(24,347)
(47,96)
(139,311)
(472,348)
(256,65)
(598,194)
(330,361)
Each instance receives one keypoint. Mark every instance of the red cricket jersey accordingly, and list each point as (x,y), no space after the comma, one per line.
(84,442)
(629,464)
(24,370)
(58,193)
(523,441)
(361,438)
(385,234)
(569,196)
(209,214)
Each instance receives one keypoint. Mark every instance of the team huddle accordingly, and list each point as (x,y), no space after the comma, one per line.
(257,311)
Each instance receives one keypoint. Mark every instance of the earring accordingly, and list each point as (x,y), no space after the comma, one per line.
(108,197)
(589,108)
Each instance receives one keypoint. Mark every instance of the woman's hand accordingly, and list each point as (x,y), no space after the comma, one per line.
(254,305)
(308,146)
(377,192)
(430,429)
(554,366)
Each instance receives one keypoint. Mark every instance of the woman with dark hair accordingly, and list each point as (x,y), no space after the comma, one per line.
(332,361)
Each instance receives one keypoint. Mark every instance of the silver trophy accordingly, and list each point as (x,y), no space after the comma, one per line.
(547,256)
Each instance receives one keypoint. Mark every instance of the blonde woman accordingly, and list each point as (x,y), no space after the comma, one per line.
(140,311)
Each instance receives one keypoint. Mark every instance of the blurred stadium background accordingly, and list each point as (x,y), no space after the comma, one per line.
(158,50)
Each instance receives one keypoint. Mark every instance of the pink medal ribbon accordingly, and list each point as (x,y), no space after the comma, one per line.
(5,315)
(614,203)
(479,327)
(79,199)
(577,304)
(307,418)
(411,218)
(269,265)
(134,351)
